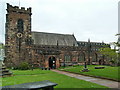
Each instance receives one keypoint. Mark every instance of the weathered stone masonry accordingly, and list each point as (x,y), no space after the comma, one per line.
(44,49)
(18,32)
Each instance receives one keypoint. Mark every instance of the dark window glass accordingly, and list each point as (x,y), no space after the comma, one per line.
(20,25)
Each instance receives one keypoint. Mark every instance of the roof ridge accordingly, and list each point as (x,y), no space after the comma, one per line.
(90,42)
(51,33)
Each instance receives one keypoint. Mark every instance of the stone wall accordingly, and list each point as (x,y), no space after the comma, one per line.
(19,45)
(17,49)
(60,52)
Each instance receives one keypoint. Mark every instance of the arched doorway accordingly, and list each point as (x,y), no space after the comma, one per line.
(52,62)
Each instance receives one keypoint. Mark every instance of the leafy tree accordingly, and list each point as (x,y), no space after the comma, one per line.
(1,46)
(111,53)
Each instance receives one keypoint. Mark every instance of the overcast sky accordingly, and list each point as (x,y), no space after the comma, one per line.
(94,19)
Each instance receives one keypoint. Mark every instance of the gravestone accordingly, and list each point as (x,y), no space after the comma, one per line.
(99,67)
(3,71)
(44,85)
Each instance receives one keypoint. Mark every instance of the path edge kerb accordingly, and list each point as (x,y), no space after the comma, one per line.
(91,76)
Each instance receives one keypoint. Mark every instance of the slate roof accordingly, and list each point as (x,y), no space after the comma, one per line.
(42,38)
(92,43)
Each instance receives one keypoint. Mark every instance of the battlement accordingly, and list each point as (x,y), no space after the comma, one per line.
(11,8)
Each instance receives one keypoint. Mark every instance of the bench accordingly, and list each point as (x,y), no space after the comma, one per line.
(44,85)
(99,67)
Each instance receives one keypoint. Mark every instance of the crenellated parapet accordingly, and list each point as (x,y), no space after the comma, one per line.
(18,35)
(21,10)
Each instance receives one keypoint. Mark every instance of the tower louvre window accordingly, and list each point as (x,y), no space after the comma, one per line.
(20,25)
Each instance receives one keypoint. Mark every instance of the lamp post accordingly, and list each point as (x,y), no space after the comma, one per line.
(85,64)
(64,62)
(89,50)
(85,67)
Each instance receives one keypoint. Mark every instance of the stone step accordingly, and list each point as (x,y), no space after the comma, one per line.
(3,68)
(4,72)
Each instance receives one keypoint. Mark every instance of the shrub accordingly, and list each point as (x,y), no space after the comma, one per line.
(75,65)
(22,66)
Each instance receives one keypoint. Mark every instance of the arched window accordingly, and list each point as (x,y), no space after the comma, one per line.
(20,25)
(81,57)
(94,57)
(67,58)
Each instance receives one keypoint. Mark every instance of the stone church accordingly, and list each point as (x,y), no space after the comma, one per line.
(42,49)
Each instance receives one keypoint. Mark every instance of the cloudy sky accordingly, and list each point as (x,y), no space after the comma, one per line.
(94,19)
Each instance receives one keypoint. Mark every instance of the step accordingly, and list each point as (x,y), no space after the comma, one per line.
(6,74)
(5,70)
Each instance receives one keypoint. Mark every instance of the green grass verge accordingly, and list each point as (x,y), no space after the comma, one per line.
(107,72)
(63,81)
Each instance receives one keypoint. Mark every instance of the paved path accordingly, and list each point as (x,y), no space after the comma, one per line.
(104,82)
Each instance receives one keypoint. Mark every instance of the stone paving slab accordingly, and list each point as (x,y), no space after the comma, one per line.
(104,82)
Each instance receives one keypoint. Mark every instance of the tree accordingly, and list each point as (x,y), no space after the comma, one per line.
(1,46)
(111,53)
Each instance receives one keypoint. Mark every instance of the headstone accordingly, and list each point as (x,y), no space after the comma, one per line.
(44,85)
(99,67)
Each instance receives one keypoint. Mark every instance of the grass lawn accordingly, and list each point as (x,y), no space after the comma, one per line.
(40,75)
(108,71)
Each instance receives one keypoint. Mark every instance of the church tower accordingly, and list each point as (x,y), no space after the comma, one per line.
(18,35)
